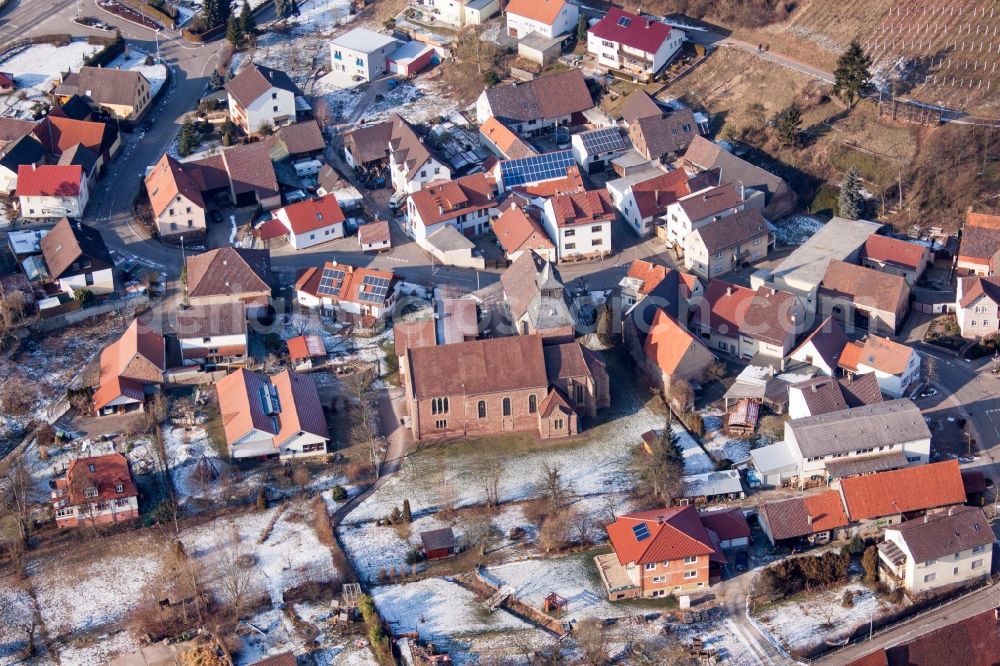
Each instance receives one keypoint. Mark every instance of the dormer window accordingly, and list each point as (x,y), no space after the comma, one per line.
(119,488)
(91,468)
(90,493)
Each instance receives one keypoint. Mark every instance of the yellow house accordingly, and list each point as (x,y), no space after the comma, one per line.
(123,94)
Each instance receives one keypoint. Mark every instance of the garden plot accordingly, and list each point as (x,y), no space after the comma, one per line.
(280,636)
(796,229)
(806,622)
(720,445)
(197,472)
(290,555)
(35,69)
(440,609)
(696,461)
(722,636)
(87,593)
(135,61)
(373,548)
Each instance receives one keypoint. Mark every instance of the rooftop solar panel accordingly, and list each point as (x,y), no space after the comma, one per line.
(641,531)
(331,281)
(603,140)
(536,168)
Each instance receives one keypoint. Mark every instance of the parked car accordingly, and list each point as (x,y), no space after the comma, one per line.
(396,200)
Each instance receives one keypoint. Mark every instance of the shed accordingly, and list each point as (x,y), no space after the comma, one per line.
(411,58)
(713,486)
(305,348)
(438,543)
(539,48)
(450,247)
(375,236)
(730,525)
(775,463)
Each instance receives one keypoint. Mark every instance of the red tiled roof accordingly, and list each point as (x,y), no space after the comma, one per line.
(727,523)
(910,489)
(305,346)
(517,229)
(648,273)
(49,180)
(654,195)
(674,533)
(129,363)
(864,286)
(352,286)
(311,214)
(799,516)
(413,334)
(766,314)
(479,366)
(170,178)
(243,411)
(507,142)
(108,471)
(572,183)
(447,200)
(894,251)
(668,343)
(883,354)
(645,34)
(582,208)
(543,11)
(374,232)
(975,286)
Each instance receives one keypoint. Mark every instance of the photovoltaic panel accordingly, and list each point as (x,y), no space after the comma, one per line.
(331,281)
(373,289)
(536,168)
(641,531)
(603,140)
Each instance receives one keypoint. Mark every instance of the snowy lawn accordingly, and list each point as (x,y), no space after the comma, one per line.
(280,636)
(135,61)
(796,229)
(722,636)
(696,461)
(42,63)
(15,608)
(720,445)
(808,620)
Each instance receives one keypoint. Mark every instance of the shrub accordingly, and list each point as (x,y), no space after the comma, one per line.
(261,502)
(795,574)
(848,599)
(338,493)
(856,545)
(517,533)
(869,562)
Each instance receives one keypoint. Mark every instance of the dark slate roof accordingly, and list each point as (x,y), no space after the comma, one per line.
(371,143)
(881,424)
(26,150)
(828,340)
(103,85)
(547,97)
(944,534)
(438,539)
(77,108)
(80,154)
(853,466)
(732,230)
(67,242)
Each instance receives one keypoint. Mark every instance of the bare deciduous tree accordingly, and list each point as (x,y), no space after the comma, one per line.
(235,573)
(592,638)
(489,475)
(15,501)
(552,486)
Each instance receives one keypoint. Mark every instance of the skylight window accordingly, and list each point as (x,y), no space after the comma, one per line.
(624,21)
(641,531)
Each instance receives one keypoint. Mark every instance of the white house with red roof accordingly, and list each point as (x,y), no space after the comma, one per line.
(636,44)
(312,222)
(549,18)
(264,416)
(52,190)
(579,224)
(357,294)
(978,305)
(465,204)
(659,553)
(95,490)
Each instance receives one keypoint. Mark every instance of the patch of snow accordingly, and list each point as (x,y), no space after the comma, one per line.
(696,461)
(720,445)
(17,605)
(796,229)
(135,60)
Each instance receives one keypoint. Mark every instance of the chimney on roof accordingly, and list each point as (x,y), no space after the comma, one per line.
(729,291)
(926,518)
(951,510)
(809,519)
(34,167)
(649,22)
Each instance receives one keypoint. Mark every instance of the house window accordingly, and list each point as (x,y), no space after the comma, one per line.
(596,229)
(569,232)
(570,246)
(976,549)
(557,424)
(121,501)
(690,574)
(506,406)
(439,405)
(119,488)
(650,566)
(481,407)
(718,255)
(275,108)
(91,468)
(189,209)
(578,390)
(90,492)
(930,578)
(440,424)
(659,579)
(597,241)
(274,95)
(977,564)
(691,560)
(170,211)
(532,404)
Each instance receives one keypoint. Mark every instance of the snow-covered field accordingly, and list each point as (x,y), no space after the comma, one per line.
(16,610)
(696,461)
(796,229)
(802,624)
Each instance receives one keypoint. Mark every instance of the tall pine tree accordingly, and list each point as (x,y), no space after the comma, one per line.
(852,77)
(247,23)
(233,32)
(788,123)
(850,202)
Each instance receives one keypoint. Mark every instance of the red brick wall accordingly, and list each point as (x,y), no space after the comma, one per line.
(674,576)
(463,414)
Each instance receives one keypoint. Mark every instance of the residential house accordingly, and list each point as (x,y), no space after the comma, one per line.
(529,107)
(60,134)
(895,366)
(261,97)
(356,294)
(212,335)
(726,244)
(704,155)
(27,151)
(858,440)
(977,306)
(670,353)
(131,370)
(486,387)
(695,210)
(83,157)
(973,641)
(938,552)
(230,275)
(457,14)
(638,104)
(636,45)
(858,296)
(899,257)
(659,553)
(519,230)
(503,142)
(360,55)
(595,149)
(95,490)
(375,236)
(579,224)
(52,191)
(663,137)
(879,501)
(122,94)
(77,258)
(822,395)
(643,196)
(465,204)
(549,18)
(248,171)
(312,222)
(265,416)
(743,322)
(438,543)
(644,279)
(411,163)
(368,147)
(12,129)
(979,244)
(535,298)
(176,200)
(816,519)
(821,349)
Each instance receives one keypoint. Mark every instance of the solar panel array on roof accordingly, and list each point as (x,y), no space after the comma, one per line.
(603,140)
(331,282)
(373,289)
(536,168)
(641,531)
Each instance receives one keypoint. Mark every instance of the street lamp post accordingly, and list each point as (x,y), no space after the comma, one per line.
(183,257)
(156,36)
